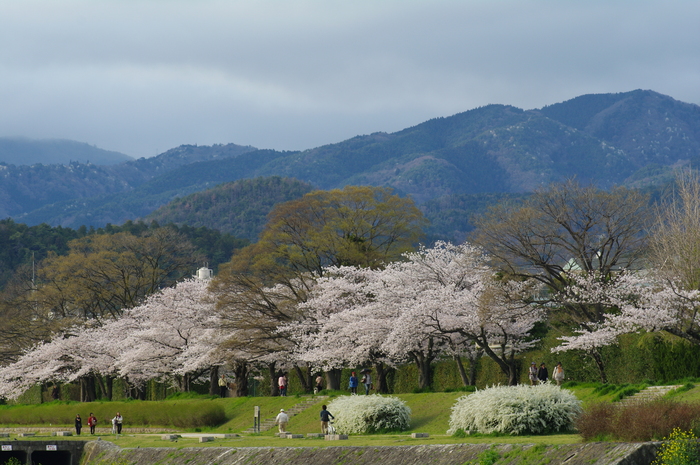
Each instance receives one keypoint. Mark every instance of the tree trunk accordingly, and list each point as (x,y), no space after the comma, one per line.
(109,384)
(333,379)
(240,369)
(139,392)
(600,364)
(87,389)
(514,372)
(133,391)
(274,385)
(473,366)
(380,384)
(214,381)
(105,385)
(507,365)
(460,368)
(425,369)
(305,378)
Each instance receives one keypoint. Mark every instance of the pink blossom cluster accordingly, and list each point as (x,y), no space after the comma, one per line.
(443,299)
(635,301)
(174,332)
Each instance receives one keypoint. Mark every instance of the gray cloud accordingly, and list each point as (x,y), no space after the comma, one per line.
(144,76)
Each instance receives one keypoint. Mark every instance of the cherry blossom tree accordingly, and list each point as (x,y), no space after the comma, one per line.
(343,324)
(174,334)
(636,301)
(173,338)
(456,292)
(414,310)
(563,228)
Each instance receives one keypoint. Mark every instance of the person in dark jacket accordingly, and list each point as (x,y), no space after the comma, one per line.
(543,374)
(325,418)
(78,424)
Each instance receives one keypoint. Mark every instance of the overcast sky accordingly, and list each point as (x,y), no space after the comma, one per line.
(144,76)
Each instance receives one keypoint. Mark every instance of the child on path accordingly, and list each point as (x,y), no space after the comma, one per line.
(325,418)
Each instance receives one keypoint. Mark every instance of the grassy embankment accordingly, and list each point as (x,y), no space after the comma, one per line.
(430,414)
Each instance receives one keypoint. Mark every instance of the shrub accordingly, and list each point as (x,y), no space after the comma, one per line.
(680,448)
(594,423)
(522,409)
(643,421)
(369,414)
(625,392)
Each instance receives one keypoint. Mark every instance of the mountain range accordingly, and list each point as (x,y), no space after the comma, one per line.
(24,151)
(446,164)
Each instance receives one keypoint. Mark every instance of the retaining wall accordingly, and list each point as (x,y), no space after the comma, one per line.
(105,453)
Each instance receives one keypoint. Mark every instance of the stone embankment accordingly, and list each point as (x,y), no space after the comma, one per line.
(105,453)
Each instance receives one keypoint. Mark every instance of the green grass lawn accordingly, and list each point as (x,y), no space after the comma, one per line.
(430,414)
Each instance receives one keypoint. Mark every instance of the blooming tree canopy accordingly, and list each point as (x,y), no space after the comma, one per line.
(174,333)
(414,309)
(636,301)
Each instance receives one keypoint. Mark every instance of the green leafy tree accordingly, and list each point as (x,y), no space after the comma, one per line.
(259,289)
(104,274)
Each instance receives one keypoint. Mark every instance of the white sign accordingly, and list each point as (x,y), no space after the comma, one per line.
(7,447)
(51,447)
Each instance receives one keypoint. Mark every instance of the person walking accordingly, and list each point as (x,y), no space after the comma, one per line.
(543,374)
(559,374)
(319,384)
(282,383)
(282,420)
(223,386)
(367,380)
(78,425)
(353,384)
(325,418)
(532,373)
(117,423)
(92,422)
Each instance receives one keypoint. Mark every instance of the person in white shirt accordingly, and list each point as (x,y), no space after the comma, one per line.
(282,420)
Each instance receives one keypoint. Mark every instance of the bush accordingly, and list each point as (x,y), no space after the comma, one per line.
(369,414)
(645,421)
(522,409)
(680,448)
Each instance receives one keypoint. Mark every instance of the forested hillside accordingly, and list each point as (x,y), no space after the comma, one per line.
(22,245)
(239,208)
(25,188)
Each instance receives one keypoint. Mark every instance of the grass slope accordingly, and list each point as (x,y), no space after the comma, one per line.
(430,414)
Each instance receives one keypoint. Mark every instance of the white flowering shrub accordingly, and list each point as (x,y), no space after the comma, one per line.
(369,414)
(522,409)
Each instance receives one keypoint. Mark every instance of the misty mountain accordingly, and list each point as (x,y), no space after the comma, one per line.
(23,151)
(633,138)
(59,193)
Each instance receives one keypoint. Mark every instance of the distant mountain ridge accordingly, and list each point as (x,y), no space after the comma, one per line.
(77,186)
(635,138)
(24,151)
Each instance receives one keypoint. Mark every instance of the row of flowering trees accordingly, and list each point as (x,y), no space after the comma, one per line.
(440,300)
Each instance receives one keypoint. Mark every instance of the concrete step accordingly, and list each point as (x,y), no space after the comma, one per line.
(649,393)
